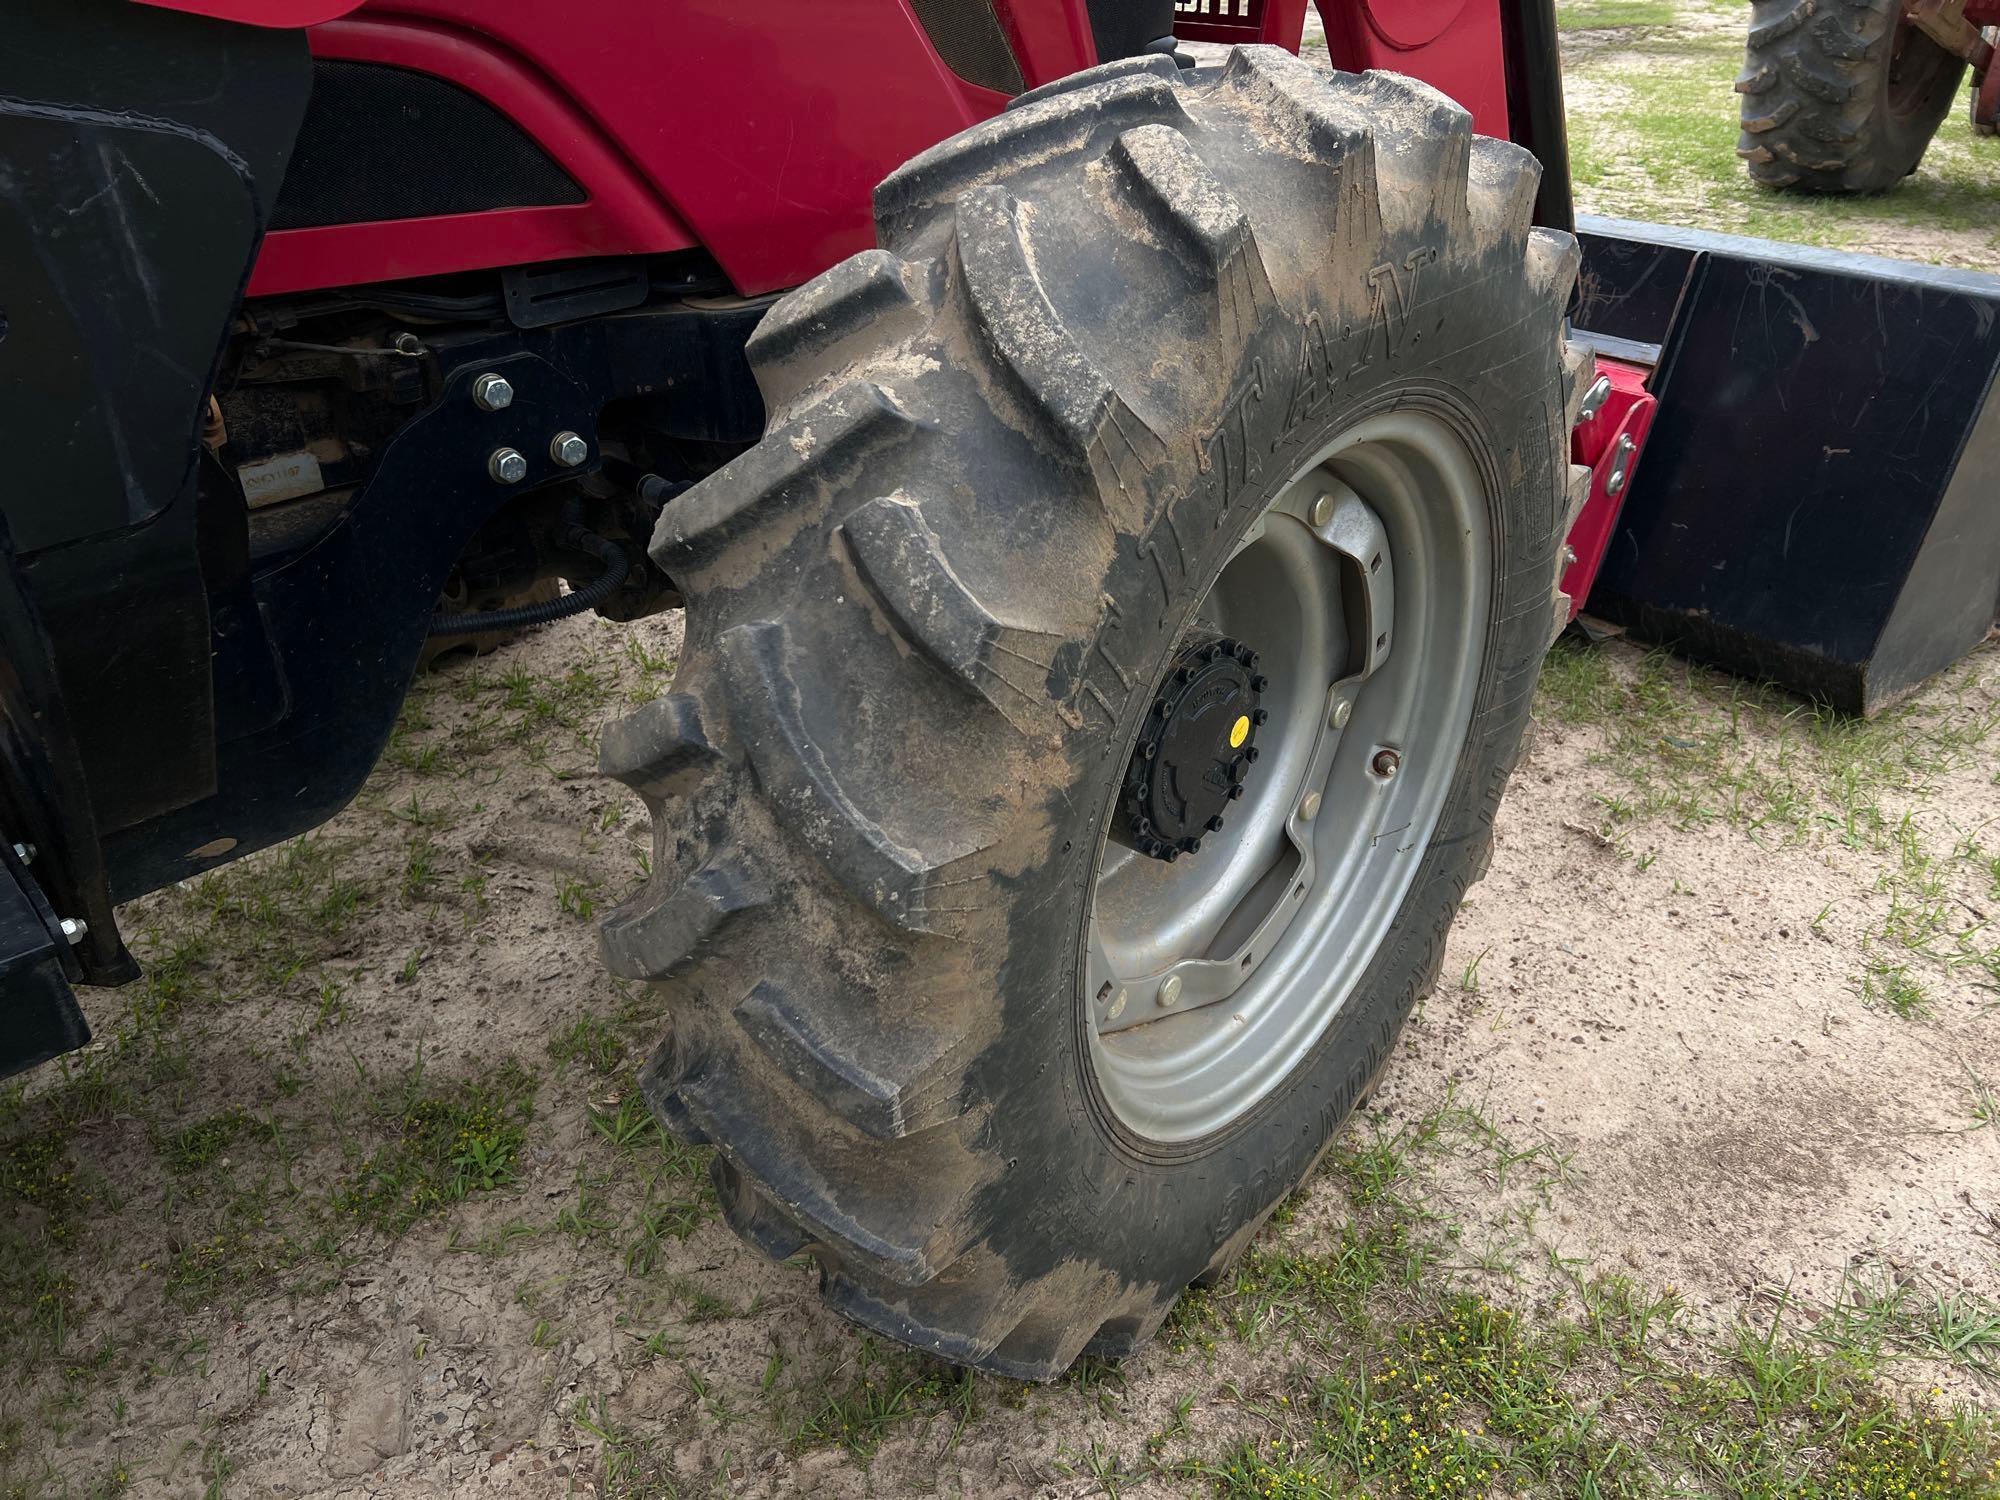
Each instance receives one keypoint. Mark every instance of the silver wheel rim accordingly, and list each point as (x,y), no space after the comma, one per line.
(1208,980)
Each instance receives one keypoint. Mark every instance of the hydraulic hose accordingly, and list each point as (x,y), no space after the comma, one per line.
(592,594)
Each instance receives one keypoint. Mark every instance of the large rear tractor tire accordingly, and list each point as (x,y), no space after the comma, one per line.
(1840,98)
(1098,687)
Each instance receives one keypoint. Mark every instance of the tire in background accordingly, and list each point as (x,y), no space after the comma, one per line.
(1006,454)
(1840,98)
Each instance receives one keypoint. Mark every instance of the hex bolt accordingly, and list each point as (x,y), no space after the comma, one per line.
(1386,763)
(492,392)
(74,928)
(1322,510)
(1170,992)
(507,466)
(568,449)
(1342,712)
(1309,808)
(1621,466)
(25,853)
(1215,824)
(1568,557)
(1117,1006)
(407,344)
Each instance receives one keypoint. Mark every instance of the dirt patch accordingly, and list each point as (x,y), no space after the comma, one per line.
(267,1285)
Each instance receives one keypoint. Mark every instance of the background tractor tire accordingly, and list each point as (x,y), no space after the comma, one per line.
(1006,455)
(1840,98)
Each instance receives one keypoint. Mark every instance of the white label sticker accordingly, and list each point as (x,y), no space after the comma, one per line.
(284,477)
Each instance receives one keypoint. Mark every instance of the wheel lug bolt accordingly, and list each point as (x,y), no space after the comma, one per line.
(1386,763)
(1250,754)
(1342,712)
(1170,992)
(1117,1007)
(1322,510)
(1190,846)
(1260,716)
(1215,824)
(1258,684)
(1309,808)
(1236,791)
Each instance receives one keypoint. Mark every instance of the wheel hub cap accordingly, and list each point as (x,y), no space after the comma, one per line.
(1194,750)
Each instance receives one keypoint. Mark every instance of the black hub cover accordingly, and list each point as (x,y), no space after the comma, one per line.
(1197,744)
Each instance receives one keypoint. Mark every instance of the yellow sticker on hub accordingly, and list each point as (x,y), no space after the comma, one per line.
(1239,731)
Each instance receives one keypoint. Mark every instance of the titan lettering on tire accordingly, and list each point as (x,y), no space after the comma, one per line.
(1187,467)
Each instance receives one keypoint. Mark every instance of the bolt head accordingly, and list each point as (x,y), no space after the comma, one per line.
(1117,1006)
(507,466)
(1170,992)
(1386,763)
(1236,791)
(1309,808)
(1215,824)
(1322,510)
(74,929)
(1568,557)
(25,853)
(492,392)
(568,449)
(1593,399)
(1342,712)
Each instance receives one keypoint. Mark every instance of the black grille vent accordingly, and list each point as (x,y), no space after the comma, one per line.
(388,143)
(968,37)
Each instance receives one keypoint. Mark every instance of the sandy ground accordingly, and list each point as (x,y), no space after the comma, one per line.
(1673,1015)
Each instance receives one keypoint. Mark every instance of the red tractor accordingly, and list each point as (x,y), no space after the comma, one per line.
(1116,567)
(1846,98)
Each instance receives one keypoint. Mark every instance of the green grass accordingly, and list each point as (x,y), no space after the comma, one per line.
(856,1404)
(447,1141)
(1594,15)
(194,1147)
(1405,1384)
(590,1040)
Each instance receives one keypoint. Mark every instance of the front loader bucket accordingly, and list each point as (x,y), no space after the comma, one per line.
(1818,503)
